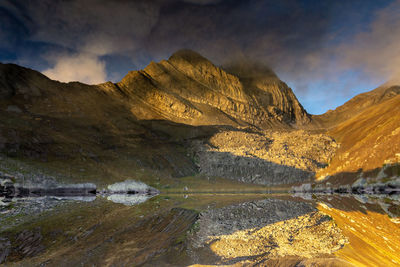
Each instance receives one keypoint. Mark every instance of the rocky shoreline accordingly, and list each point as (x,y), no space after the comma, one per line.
(381,184)
(9,188)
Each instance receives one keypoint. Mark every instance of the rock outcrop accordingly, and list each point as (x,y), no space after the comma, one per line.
(265,157)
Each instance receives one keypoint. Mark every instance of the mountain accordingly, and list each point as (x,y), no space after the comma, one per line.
(144,126)
(183,117)
(187,88)
(75,132)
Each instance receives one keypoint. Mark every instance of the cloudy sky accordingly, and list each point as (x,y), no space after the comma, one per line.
(327,51)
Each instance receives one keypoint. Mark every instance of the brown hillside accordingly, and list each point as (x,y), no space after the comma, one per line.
(368,139)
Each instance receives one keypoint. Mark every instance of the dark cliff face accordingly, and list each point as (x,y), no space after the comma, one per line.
(268,90)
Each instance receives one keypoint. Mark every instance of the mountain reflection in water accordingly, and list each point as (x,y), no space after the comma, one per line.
(207,229)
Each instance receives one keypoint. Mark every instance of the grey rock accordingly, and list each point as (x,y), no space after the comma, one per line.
(13,108)
(361,182)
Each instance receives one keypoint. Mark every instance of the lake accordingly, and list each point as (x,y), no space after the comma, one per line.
(202,229)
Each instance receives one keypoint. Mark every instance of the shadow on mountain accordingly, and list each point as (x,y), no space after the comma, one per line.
(250,169)
(159,146)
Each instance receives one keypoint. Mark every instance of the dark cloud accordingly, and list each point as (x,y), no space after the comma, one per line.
(277,33)
(12,28)
(376,50)
(203,2)
(100,27)
(141,30)
(297,38)
(80,32)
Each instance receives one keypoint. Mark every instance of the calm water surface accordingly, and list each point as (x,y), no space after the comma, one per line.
(202,229)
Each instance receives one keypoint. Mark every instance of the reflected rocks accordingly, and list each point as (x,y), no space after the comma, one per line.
(6,187)
(169,231)
(27,243)
(249,215)
(257,231)
(372,231)
(307,236)
(361,186)
(129,192)
(29,199)
(131,187)
(129,200)
(20,203)
(5,248)
(11,189)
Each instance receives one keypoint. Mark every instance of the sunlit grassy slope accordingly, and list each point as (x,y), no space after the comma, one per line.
(368,140)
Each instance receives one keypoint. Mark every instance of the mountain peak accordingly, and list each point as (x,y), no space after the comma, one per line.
(187,55)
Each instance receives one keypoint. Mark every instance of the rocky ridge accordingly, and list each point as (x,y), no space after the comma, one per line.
(187,88)
(369,141)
